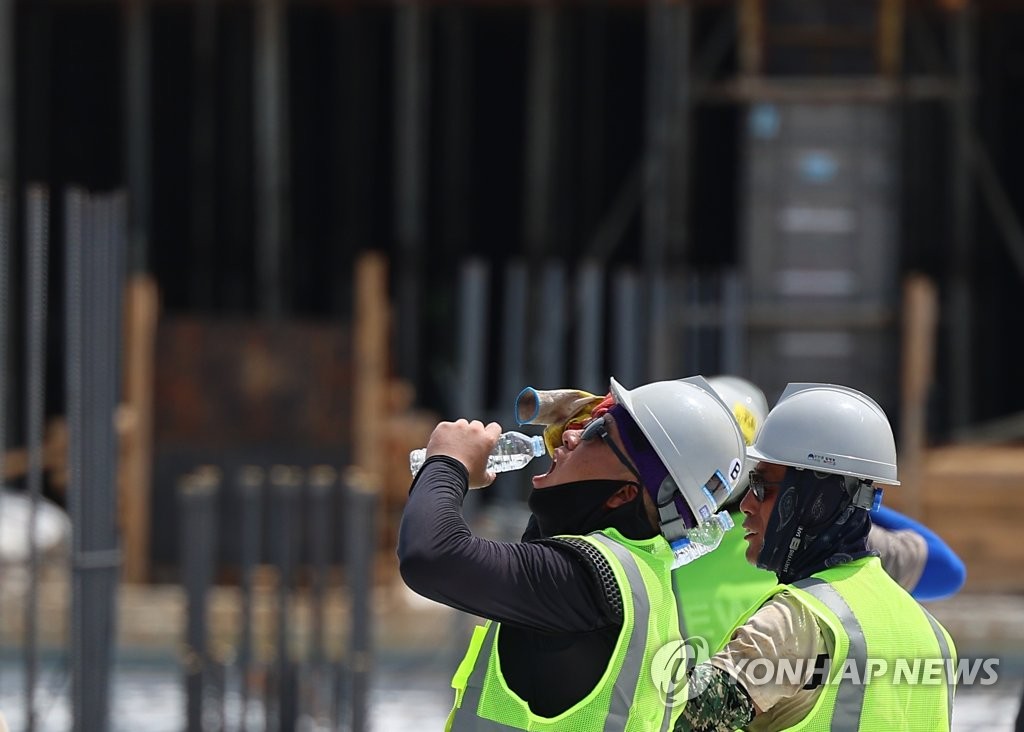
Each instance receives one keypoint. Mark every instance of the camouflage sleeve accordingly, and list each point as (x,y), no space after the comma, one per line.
(717,703)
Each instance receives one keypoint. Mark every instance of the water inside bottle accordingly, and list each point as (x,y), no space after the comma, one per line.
(505,463)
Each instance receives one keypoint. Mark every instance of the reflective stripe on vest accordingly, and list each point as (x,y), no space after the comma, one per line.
(947,666)
(468,720)
(850,696)
(632,664)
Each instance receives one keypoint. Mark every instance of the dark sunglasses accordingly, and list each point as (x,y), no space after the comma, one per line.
(758,485)
(598,428)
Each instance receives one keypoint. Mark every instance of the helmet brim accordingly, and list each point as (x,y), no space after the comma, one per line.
(759,457)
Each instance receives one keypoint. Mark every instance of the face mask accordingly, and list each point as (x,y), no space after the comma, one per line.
(813,521)
(578,508)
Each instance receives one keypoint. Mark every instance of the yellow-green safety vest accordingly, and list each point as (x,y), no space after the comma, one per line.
(882,636)
(719,587)
(627,698)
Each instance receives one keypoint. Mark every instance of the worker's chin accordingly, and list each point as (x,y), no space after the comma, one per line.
(754,549)
(542,481)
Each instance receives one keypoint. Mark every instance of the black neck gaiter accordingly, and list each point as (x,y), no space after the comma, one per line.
(813,526)
(578,508)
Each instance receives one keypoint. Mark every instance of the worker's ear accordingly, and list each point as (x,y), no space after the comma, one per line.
(622,496)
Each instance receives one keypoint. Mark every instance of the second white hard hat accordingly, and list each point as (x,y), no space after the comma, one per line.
(830,429)
(750,408)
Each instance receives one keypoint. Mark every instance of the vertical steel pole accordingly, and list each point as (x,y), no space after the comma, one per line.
(271,153)
(626,367)
(7,199)
(472,349)
(197,494)
(666,164)
(541,137)
(733,324)
(412,70)
(589,373)
(285,484)
(204,134)
(361,536)
(37,217)
(690,292)
(137,130)
(99,560)
(5,260)
(75,374)
(322,479)
(549,346)
(7,80)
(457,131)
(250,487)
(594,132)
(515,325)
(360,92)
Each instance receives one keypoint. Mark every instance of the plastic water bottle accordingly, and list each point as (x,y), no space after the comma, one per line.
(513,451)
(701,540)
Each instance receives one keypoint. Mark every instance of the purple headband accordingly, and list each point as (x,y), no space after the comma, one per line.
(652,470)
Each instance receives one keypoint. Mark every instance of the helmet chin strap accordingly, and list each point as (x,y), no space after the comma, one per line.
(673,525)
(864,494)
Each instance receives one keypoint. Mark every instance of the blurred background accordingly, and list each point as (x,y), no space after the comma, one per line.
(251,252)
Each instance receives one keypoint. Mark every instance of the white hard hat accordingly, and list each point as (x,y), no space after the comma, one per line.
(694,434)
(747,402)
(830,429)
(750,408)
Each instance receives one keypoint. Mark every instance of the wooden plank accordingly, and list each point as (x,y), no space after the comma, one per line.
(891,23)
(142,306)
(1005,495)
(750,18)
(920,317)
(370,363)
(975,460)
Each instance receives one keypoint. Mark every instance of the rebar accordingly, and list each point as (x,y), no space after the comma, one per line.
(412,112)
(360,540)
(37,210)
(270,151)
(285,482)
(589,341)
(197,493)
(474,291)
(74,213)
(322,479)
(5,260)
(250,481)
(138,168)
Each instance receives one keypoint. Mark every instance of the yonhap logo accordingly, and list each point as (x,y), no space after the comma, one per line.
(671,667)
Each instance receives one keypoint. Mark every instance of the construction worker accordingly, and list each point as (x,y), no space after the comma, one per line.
(910,553)
(713,592)
(822,649)
(575,616)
